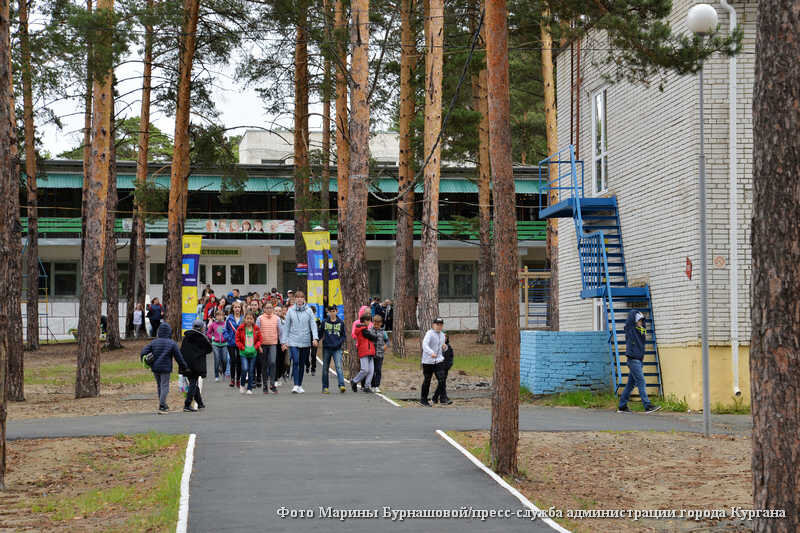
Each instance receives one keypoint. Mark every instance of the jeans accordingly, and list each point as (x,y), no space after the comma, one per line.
(635,378)
(259,365)
(220,359)
(311,361)
(234,366)
(376,378)
(367,369)
(441,388)
(162,383)
(269,354)
(299,357)
(154,327)
(193,393)
(336,354)
(427,372)
(248,371)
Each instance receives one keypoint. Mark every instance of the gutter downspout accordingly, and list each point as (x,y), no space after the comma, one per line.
(733,223)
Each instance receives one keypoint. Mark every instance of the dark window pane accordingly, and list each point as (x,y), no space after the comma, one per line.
(258,274)
(65,279)
(374,275)
(462,280)
(218,275)
(156,273)
(237,274)
(202,273)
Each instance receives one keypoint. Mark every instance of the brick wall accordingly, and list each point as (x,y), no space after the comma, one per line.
(653,147)
(560,361)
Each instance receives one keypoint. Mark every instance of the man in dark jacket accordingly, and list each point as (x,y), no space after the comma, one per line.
(332,341)
(164,349)
(195,347)
(635,336)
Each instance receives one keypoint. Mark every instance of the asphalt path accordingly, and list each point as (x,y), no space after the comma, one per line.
(259,456)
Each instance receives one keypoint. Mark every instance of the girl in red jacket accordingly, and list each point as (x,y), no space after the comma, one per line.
(248,340)
(365,345)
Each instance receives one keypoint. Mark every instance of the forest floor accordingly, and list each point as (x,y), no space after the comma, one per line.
(109,484)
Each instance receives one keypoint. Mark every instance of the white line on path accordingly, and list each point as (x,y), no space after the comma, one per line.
(183,509)
(500,481)
(377,393)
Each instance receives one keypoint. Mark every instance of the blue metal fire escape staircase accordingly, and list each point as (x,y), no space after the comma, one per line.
(602,261)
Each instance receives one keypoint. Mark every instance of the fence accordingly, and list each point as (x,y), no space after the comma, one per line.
(535,298)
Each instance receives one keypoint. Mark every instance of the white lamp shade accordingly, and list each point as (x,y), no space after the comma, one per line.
(702,19)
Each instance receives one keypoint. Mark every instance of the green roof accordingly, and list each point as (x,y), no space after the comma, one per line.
(274,184)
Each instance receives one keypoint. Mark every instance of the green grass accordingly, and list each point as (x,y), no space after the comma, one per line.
(600,400)
(737,407)
(151,442)
(163,502)
(111,373)
(474,364)
(88,503)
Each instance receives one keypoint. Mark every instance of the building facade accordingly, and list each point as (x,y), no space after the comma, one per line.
(641,144)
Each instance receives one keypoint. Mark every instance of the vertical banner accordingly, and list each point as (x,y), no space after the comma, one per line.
(315,248)
(334,287)
(189,266)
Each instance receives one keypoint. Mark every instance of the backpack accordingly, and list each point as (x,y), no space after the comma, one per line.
(149,359)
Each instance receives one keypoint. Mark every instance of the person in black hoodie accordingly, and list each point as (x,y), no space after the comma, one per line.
(635,337)
(440,395)
(332,342)
(195,347)
(164,349)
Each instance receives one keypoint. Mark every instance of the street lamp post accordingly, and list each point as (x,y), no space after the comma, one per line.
(702,20)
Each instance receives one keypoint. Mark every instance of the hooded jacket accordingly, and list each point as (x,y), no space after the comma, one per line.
(231,325)
(300,327)
(164,349)
(241,340)
(365,340)
(333,334)
(358,319)
(634,337)
(194,348)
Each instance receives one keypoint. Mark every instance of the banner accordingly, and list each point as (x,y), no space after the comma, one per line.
(189,265)
(318,247)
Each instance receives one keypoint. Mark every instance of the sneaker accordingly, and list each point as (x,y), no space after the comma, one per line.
(376,389)
(313,372)
(342,389)
(300,390)
(425,403)
(294,390)
(307,370)
(201,406)
(241,390)
(652,408)
(624,409)
(446,401)
(231,385)
(278,382)
(367,390)
(216,380)
(258,384)
(249,391)
(354,386)
(189,410)
(274,390)
(163,409)
(326,391)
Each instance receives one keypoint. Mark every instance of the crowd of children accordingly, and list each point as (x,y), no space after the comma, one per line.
(263,342)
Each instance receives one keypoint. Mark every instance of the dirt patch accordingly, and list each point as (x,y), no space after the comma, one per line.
(50,384)
(631,470)
(91,484)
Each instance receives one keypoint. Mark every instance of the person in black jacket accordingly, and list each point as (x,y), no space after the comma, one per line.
(440,394)
(635,338)
(164,349)
(195,347)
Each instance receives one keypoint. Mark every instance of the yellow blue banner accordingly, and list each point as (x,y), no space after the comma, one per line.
(190,263)
(318,249)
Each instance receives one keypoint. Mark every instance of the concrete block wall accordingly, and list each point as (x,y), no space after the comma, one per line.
(561,361)
(63,316)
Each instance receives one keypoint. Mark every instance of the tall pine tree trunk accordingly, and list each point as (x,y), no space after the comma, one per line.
(136,265)
(180,170)
(130,288)
(87,380)
(111,270)
(87,131)
(428,308)
(775,337)
(324,189)
(505,400)
(353,229)
(302,171)
(485,281)
(404,249)
(551,131)
(9,173)
(342,126)
(32,306)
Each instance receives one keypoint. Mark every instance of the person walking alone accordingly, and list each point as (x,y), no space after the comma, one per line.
(298,335)
(432,357)
(154,314)
(194,348)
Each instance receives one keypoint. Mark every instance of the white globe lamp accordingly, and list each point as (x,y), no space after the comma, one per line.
(702,19)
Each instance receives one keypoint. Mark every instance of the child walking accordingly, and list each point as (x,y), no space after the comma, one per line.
(332,341)
(138,320)
(216,333)
(164,349)
(248,340)
(194,348)
(365,346)
(381,338)
(231,327)
(269,325)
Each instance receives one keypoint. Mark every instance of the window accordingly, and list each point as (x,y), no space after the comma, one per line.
(65,279)
(218,276)
(458,281)
(237,274)
(202,274)
(374,277)
(290,278)
(156,273)
(599,151)
(598,311)
(122,279)
(258,274)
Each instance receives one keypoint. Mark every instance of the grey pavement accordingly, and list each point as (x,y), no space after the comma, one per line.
(258,454)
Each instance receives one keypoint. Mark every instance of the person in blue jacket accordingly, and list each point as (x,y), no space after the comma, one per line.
(332,342)
(164,350)
(635,337)
(235,319)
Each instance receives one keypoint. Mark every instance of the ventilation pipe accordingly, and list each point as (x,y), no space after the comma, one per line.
(734,233)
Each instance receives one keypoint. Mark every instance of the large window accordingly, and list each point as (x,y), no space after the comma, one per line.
(156,273)
(65,279)
(374,277)
(458,281)
(218,276)
(258,274)
(599,151)
(237,274)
